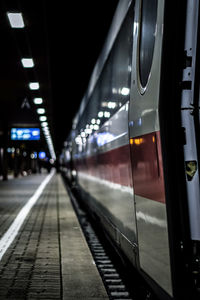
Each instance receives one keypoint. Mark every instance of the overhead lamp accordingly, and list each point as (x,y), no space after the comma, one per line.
(34,85)
(100,114)
(112,104)
(43,118)
(38,100)
(27,62)
(44,124)
(125,91)
(96,127)
(40,111)
(16,20)
(106,114)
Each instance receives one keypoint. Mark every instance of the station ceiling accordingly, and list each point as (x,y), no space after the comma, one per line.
(64,39)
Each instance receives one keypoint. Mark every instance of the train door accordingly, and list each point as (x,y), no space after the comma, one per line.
(148,181)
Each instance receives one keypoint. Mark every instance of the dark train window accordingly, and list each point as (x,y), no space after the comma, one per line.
(147,38)
(113,86)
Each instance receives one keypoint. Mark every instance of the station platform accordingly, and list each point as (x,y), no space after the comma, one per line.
(43,252)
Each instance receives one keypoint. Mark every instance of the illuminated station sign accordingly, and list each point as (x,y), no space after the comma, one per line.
(25,134)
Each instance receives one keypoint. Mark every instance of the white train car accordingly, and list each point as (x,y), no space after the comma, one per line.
(135,142)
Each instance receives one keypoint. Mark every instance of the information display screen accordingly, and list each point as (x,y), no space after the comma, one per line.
(25,134)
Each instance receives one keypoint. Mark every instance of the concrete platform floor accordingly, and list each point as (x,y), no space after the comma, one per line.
(48,257)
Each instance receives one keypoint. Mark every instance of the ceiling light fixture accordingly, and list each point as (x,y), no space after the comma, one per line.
(125,91)
(34,85)
(44,124)
(43,118)
(27,62)
(38,100)
(16,20)
(40,111)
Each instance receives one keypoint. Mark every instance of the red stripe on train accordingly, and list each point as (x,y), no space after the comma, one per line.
(113,166)
(147,166)
(143,156)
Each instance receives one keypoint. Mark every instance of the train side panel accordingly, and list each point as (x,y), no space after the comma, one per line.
(127,187)
(101,150)
(106,174)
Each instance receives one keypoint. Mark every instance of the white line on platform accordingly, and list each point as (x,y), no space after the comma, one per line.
(14,228)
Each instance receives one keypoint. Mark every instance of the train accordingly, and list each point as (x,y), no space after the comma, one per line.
(133,151)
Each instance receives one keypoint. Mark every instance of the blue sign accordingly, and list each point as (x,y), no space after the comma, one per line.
(25,134)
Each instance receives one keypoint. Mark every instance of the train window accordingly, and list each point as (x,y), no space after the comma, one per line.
(116,74)
(147,38)
(112,89)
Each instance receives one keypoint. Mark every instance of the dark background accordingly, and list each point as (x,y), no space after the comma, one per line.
(65,39)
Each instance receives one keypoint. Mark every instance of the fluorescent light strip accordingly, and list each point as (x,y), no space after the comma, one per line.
(47,136)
